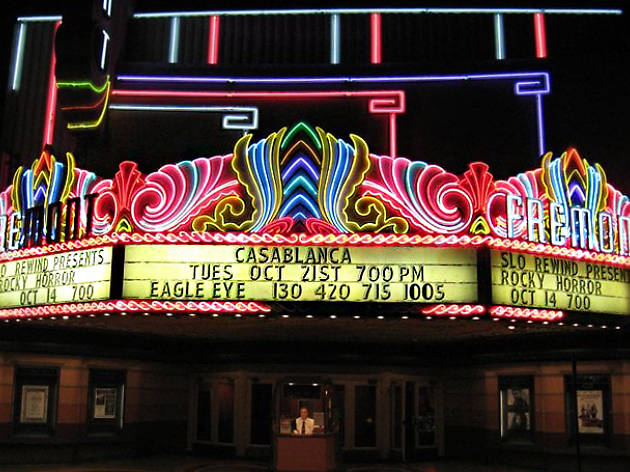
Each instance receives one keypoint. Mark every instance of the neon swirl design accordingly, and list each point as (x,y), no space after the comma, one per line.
(175,194)
(257,167)
(430,198)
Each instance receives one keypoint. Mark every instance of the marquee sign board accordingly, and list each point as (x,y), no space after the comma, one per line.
(304,184)
(300,273)
(546,282)
(68,277)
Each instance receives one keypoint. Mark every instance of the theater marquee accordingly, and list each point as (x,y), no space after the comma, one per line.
(68,277)
(547,282)
(301,215)
(300,273)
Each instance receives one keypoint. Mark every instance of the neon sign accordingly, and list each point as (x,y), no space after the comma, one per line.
(305,180)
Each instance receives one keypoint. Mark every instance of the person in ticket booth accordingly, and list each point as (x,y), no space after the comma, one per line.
(304,425)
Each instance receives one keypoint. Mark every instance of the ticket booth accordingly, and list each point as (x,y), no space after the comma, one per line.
(304,445)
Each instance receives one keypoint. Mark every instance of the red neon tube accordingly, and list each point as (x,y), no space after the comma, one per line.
(375,43)
(51,102)
(541,35)
(213,39)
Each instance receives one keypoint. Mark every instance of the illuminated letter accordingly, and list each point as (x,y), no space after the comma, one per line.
(33,227)
(557,224)
(53,223)
(90,212)
(13,237)
(606,233)
(624,235)
(581,228)
(535,220)
(73,225)
(511,214)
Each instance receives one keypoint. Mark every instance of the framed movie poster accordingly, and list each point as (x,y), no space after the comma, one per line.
(588,408)
(516,407)
(34,408)
(105,403)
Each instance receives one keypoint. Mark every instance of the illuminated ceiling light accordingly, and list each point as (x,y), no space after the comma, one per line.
(238,315)
(604,326)
(6,321)
(92,315)
(169,314)
(475,318)
(309,316)
(65,317)
(123,313)
(215,315)
(617,327)
(452,317)
(146,313)
(529,321)
(53,317)
(576,325)
(18,320)
(590,325)
(495,319)
(262,315)
(380,317)
(429,317)
(106,314)
(511,327)
(404,317)
(561,324)
(356,317)
(285,316)
(315,385)
(545,322)
(192,314)
(332,317)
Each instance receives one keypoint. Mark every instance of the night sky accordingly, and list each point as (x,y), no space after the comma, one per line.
(589,106)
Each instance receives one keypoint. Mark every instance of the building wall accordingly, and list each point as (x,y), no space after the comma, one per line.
(472,415)
(154,412)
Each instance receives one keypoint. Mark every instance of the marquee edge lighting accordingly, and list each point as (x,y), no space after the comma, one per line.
(453,309)
(134,306)
(303,239)
(535,314)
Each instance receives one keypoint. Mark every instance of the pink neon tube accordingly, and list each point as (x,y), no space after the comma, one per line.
(51,102)
(541,35)
(213,39)
(375,38)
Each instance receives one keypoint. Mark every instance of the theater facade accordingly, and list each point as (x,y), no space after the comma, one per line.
(425,308)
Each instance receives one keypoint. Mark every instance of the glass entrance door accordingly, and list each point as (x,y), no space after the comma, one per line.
(414,420)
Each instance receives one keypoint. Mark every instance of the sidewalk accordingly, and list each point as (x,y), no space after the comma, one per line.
(199,464)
